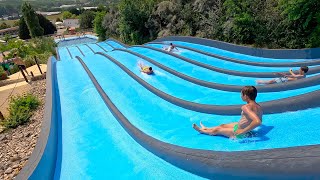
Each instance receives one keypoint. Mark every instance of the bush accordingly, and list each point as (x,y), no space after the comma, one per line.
(20,110)
(3,74)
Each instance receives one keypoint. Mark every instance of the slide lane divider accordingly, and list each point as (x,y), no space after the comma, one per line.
(80,51)
(69,52)
(90,48)
(300,102)
(306,82)
(217,164)
(312,70)
(101,47)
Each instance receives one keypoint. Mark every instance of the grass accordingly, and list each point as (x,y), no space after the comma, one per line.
(9,22)
(54,17)
(51,18)
(21,109)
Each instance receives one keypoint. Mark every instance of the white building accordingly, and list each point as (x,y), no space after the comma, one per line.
(71,23)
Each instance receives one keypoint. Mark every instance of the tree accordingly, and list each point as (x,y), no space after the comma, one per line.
(48,27)
(32,21)
(66,15)
(98,28)
(23,29)
(74,11)
(86,19)
(4,25)
(111,22)
(133,14)
(303,17)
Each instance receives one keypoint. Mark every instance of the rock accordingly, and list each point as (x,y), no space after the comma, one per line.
(27,134)
(15,158)
(2,137)
(8,171)
(15,166)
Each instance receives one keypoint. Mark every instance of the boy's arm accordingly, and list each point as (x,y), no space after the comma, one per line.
(256,121)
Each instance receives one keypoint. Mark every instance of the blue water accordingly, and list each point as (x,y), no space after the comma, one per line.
(114,44)
(63,53)
(74,51)
(75,41)
(172,124)
(85,49)
(96,48)
(194,70)
(232,54)
(105,46)
(93,144)
(209,60)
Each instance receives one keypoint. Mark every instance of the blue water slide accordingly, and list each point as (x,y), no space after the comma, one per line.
(234,55)
(172,124)
(216,62)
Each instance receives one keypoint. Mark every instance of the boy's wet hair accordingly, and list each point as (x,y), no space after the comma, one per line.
(250,91)
(150,68)
(305,69)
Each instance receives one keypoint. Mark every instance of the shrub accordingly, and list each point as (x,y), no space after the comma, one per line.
(3,74)
(20,110)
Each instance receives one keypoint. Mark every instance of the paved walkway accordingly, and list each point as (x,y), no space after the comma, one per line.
(16,88)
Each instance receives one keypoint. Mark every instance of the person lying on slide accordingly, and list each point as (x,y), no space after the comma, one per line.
(285,78)
(145,69)
(170,48)
(251,117)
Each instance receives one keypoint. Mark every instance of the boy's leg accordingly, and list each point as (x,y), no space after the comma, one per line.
(225,130)
(266,81)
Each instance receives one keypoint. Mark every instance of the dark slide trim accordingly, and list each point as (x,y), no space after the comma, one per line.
(69,52)
(302,83)
(122,44)
(109,44)
(80,51)
(46,147)
(312,70)
(292,64)
(305,101)
(58,55)
(90,48)
(101,47)
(291,163)
(312,53)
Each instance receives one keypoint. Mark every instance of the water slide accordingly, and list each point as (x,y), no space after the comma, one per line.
(109,120)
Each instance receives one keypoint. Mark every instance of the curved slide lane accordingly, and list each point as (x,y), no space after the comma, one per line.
(205,163)
(245,59)
(203,60)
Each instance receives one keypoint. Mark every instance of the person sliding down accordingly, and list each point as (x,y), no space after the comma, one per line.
(145,69)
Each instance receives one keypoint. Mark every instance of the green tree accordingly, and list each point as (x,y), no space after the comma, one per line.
(66,15)
(32,20)
(98,27)
(86,19)
(23,29)
(47,26)
(302,17)
(133,15)
(111,22)
(4,25)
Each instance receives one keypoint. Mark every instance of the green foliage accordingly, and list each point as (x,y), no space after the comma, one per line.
(4,25)
(23,29)
(133,14)
(32,21)
(66,15)
(98,28)
(111,22)
(47,26)
(302,17)
(20,110)
(86,19)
